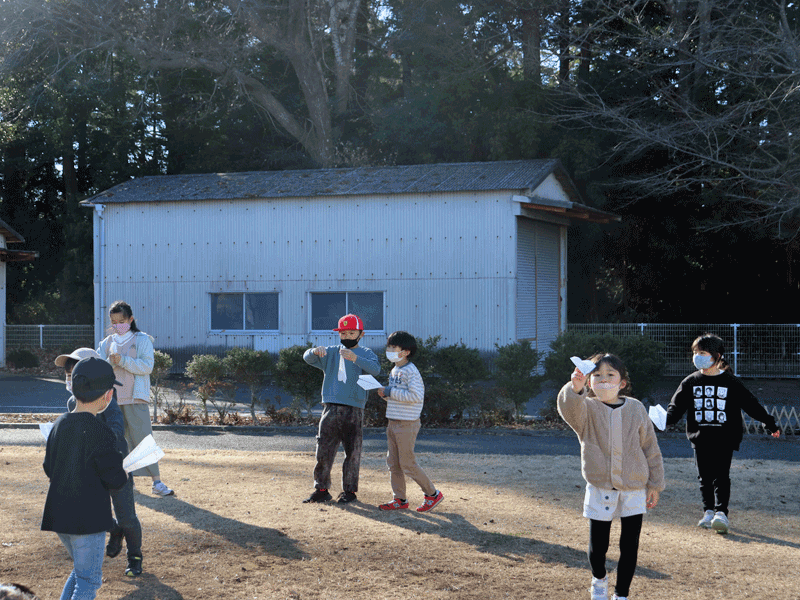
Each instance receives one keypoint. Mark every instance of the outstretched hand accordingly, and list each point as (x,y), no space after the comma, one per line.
(578,380)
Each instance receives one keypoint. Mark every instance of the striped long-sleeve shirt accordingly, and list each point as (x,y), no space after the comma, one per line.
(405,393)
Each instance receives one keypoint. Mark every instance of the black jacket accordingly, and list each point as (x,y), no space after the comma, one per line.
(83,464)
(713,405)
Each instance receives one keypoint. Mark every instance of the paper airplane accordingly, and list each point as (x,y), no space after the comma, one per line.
(146,453)
(586,366)
(658,416)
(368,382)
(45,429)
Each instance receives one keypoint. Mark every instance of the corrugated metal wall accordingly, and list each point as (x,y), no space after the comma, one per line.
(446,264)
(538,282)
(441,264)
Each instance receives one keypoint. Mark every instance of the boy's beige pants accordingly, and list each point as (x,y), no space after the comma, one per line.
(402,437)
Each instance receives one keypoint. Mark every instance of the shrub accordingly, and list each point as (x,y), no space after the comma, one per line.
(297,377)
(207,372)
(253,368)
(162,364)
(449,374)
(516,365)
(22,359)
(642,356)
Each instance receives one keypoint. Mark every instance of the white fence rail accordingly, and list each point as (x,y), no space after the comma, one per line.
(787,418)
(753,350)
(49,336)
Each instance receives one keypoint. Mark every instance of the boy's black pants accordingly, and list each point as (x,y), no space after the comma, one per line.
(343,424)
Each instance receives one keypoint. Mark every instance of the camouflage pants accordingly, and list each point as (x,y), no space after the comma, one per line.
(339,424)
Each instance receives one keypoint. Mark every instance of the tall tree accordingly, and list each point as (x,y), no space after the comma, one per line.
(226,38)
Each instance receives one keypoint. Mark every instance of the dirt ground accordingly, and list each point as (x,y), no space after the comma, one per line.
(509,527)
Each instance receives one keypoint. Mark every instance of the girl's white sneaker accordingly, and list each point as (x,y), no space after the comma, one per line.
(720,523)
(705,522)
(620,597)
(599,589)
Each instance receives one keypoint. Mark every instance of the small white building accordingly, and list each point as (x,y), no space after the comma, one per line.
(8,236)
(473,252)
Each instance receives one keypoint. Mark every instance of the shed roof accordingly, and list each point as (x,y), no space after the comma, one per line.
(519,176)
(447,177)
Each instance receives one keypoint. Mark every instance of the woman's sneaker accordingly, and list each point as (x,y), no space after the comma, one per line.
(395,504)
(431,501)
(599,589)
(159,489)
(705,522)
(720,523)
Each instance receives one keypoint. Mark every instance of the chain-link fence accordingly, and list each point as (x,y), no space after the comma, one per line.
(752,350)
(55,337)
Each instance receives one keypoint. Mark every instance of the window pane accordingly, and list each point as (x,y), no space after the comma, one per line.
(326,310)
(261,311)
(226,311)
(368,306)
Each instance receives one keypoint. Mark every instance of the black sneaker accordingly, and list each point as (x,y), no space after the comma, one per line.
(114,546)
(318,496)
(346,497)
(134,566)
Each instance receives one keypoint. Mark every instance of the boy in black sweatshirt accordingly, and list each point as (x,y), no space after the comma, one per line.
(84,465)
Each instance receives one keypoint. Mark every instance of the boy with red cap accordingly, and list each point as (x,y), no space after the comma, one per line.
(343,403)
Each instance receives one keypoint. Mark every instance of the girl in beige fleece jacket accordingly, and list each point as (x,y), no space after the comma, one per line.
(620,461)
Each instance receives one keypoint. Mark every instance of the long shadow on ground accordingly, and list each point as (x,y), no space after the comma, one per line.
(241,534)
(510,547)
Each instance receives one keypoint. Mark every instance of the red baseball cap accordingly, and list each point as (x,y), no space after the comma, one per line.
(350,322)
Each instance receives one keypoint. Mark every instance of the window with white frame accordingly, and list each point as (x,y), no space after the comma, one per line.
(327,307)
(247,311)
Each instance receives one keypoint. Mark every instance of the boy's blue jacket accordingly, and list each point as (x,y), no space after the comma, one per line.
(344,392)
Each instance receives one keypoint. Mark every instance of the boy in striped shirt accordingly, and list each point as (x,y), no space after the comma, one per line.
(404,398)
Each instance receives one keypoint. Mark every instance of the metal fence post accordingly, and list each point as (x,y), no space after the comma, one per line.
(735,349)
(41,336)
(641,328)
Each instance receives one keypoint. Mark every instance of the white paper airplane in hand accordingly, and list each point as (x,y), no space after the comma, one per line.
(146,453)
(368,382)
(658,416)
(586,366)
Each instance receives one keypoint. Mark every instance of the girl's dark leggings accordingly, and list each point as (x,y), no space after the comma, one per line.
(599,532)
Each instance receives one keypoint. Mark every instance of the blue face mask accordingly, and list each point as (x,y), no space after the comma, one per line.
(702,361)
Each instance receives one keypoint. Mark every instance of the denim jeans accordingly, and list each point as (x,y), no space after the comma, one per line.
(126,519)
(87,553)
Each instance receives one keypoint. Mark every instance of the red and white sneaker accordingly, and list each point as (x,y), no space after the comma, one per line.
(431,501)
(395,504)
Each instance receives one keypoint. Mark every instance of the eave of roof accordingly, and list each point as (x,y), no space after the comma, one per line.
(12,237)
(571,210)
(7,255)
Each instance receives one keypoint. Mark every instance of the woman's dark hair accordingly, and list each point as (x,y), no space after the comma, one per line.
(615,362)
(404,341)
(713,344)
(16,591)
(123,307)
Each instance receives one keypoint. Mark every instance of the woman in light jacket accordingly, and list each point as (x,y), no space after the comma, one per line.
(130,352)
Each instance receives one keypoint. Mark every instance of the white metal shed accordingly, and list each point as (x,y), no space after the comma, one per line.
(473,252)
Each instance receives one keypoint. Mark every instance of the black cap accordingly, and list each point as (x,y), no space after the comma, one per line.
(91,378)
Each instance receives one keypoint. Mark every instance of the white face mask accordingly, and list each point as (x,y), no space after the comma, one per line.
(606,391)
(69,385)
(394,356)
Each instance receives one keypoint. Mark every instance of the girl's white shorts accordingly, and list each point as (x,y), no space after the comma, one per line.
(604,505)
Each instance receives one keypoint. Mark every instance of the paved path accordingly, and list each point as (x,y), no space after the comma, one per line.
(511,443)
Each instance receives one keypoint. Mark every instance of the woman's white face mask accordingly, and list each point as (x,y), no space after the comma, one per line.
(605,383)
